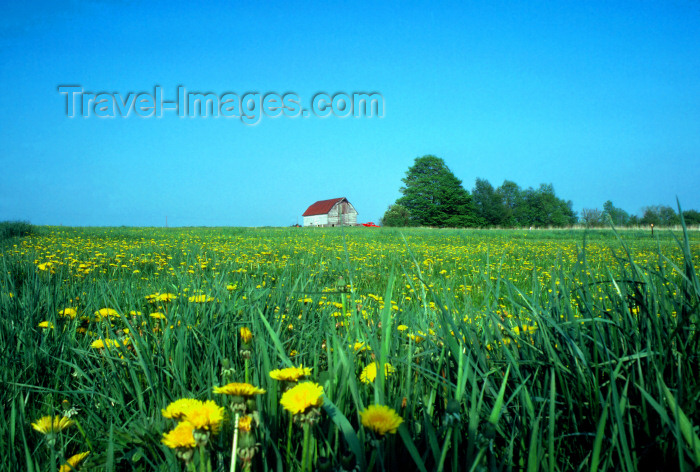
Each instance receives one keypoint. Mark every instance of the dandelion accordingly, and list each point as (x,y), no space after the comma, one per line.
(246,334)
(68,312)
(241,395)
(181,438)
(200,299)
(246,350)
(239,389)
(303,402)
(205,416)
(157,316)
(246,446)
(160,297)
(106,313)
(290,374)
(109,343)
(178,409)
(73,461)
(369,373)
(304,396)
(381,419)
(245,424)
(45,324)
(360,346)
(52,424)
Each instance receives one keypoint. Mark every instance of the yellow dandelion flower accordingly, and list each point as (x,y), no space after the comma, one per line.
(245,423)
(178,408)
(402,327)
(290,374)
(106,312)
(231,287)
(157,316)
(45,324)
(381,419)
(161,297)
(73,461)
(52,424)
(182,436)
(239,389)
(200,299)
(302,396)
(369,373)
(246,334)
(207,416)
(359,347)
(68,312)
(109,343)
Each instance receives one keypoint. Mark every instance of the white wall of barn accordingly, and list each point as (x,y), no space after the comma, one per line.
(343,210)
(316,220)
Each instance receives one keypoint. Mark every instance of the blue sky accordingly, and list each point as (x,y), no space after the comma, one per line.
(599,98)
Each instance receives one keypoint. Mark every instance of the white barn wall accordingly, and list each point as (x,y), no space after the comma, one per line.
(316,220)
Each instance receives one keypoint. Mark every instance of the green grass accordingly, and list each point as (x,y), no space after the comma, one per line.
(606,381)
(15,229)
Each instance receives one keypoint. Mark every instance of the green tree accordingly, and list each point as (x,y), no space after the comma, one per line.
(488,204)
(511,198)
(618,216)
(691,217)
(397,215)
(660,215)
(543,208)
(435,197)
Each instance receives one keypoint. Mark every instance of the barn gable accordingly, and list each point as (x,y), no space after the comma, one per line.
(332,212)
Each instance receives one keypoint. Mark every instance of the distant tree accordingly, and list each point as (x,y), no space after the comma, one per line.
(397,215)
(592,217)
(660,215)
(650,217)
(511,198)
(488,204)
(691,217)
(543,208)
(618,216)
(669,217)
(435,197)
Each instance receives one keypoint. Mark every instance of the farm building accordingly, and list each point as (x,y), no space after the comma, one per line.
(333,212)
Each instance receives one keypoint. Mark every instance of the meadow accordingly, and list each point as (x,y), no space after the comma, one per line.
(154,349)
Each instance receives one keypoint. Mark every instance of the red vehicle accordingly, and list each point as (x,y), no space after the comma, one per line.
(370,225)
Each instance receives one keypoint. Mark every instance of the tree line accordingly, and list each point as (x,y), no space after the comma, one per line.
(433,196)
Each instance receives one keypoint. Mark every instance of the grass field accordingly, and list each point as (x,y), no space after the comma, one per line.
(498,350)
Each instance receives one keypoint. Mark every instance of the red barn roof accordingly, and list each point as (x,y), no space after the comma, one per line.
(322,207)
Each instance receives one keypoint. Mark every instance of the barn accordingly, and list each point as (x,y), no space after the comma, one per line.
(333,212)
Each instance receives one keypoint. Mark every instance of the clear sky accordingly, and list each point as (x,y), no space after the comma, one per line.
(599,98)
